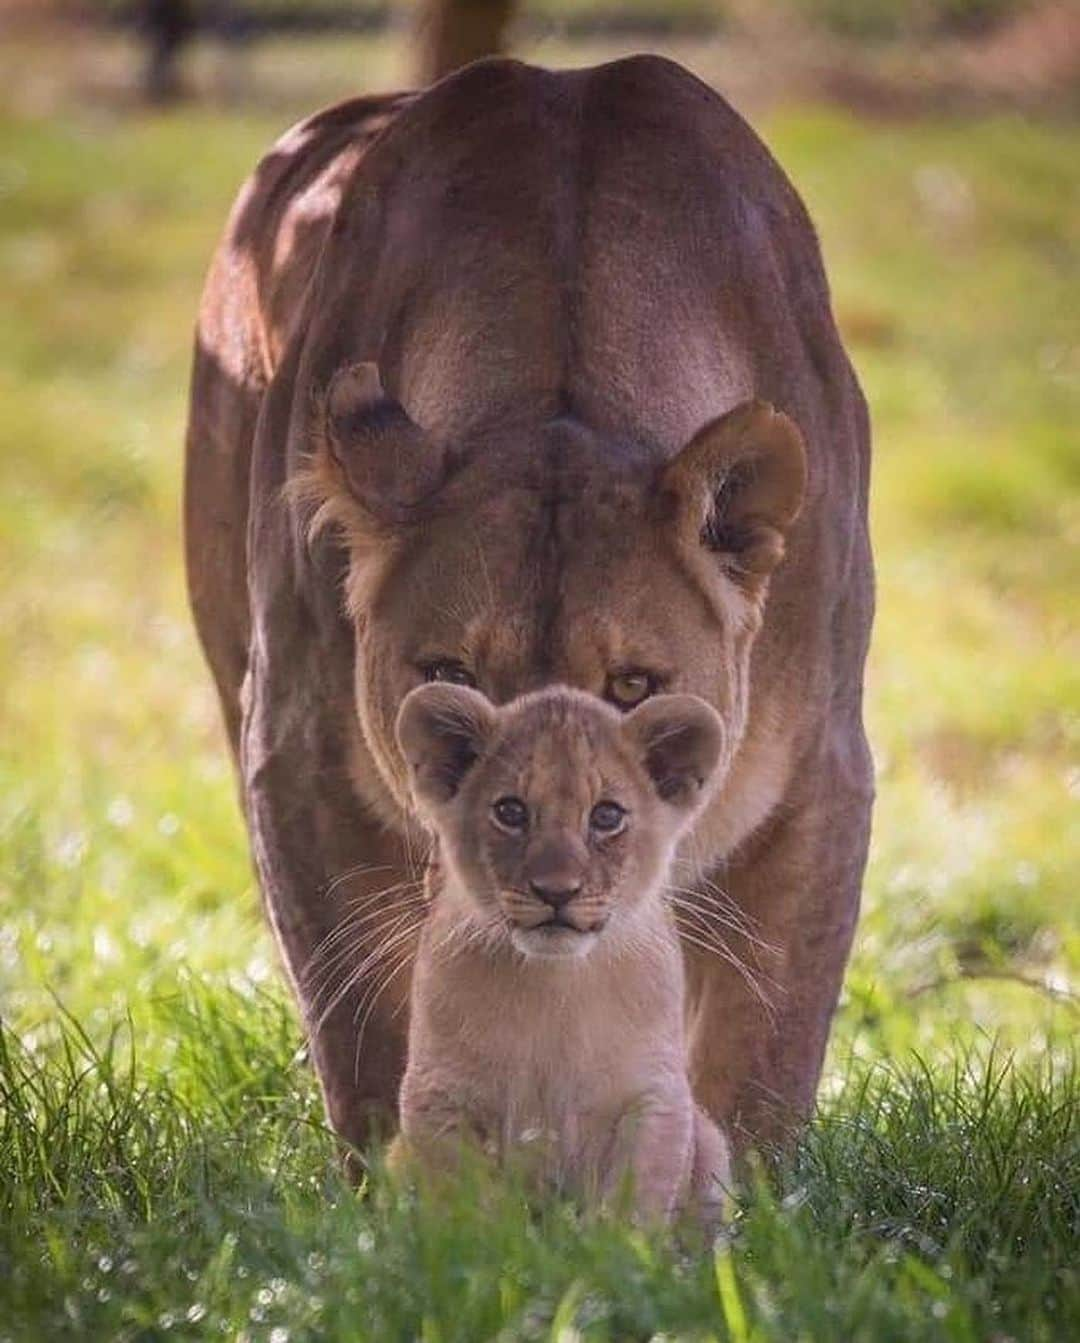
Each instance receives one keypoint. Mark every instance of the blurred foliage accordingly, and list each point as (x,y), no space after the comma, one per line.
(903,18)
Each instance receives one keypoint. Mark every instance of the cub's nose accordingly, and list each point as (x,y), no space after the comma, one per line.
(555,893)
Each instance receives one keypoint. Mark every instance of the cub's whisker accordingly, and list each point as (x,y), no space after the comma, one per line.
(388,978)
(727,913)
(345,966)
(696,929)
(396,897)
(403,928)
(350,872)
(742,969)
(330,951)
(388,898)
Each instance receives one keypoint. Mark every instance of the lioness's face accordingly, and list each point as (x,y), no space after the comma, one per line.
(556,816)
(549,558)
(486,603)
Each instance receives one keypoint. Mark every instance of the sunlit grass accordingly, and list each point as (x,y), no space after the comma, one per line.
(190,1147)
(198,1197)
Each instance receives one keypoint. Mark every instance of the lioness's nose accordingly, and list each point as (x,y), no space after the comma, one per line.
(554,891)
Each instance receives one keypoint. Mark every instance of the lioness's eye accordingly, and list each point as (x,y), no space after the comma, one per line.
(511,813)
(629,688)
(456,673)
(607,818)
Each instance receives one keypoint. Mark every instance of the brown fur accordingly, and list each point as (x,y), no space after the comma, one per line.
(525,329)
(548,991)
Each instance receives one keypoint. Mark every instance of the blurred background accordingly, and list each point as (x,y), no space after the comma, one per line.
(935,143)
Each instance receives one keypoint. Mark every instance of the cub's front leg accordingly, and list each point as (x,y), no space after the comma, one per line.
(436,1126)
(710,1171)
(654,1147)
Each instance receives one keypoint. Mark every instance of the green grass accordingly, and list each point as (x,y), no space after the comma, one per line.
(197,1199)
(163,1167)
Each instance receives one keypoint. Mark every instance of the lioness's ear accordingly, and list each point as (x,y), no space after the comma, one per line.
(679,739)
(739,483)
(441,730)
(385,460)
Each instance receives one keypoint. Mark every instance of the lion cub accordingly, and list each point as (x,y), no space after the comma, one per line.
(547,998)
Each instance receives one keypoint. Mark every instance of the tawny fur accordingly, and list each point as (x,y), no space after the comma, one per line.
(554,1038)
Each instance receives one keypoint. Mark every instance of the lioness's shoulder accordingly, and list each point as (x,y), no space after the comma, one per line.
(634,119)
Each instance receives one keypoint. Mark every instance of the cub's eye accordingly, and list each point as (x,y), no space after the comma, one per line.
(607,818)
(628,689)
(456,673)
(511,813)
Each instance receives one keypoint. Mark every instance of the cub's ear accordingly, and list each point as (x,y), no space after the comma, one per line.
(441,730)
(739,485)
(680,740)
(382,458)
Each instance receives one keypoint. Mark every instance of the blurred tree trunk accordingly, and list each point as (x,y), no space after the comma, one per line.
(167,27)
(231,23)
(451,33)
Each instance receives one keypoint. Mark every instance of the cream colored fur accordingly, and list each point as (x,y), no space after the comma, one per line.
(569,1059)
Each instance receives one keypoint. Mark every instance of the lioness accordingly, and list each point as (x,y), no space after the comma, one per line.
(525,330)
(547,994)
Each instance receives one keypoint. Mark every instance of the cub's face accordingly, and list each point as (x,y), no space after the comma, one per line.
(556,814)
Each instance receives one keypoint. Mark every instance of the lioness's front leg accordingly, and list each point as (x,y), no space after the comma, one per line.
(335,879)
(758,1038)
(343,902)
(347,942)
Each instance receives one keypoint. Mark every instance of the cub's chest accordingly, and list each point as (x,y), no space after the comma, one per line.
(555,1115)
(566,1087)
(549,1057)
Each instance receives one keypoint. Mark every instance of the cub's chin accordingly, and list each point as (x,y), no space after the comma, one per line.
(552,941)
